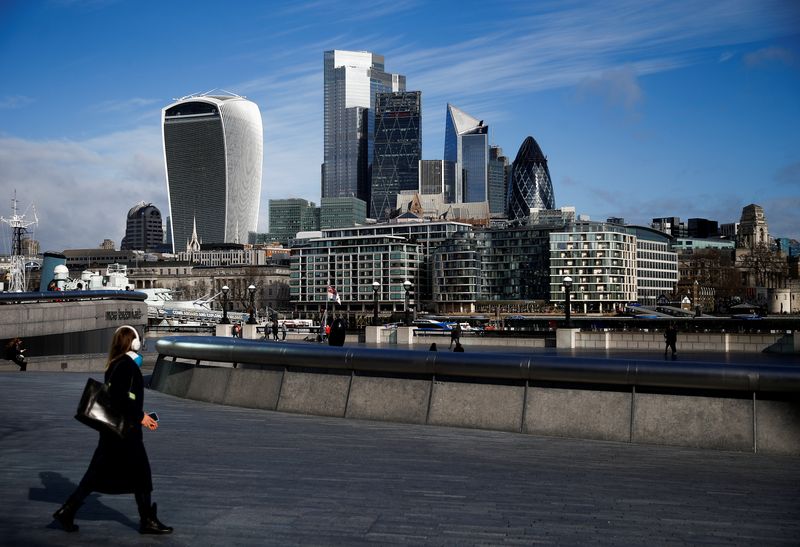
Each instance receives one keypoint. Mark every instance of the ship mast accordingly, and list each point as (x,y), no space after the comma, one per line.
(19,226)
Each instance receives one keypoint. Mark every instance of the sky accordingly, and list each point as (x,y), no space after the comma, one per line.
(643,109)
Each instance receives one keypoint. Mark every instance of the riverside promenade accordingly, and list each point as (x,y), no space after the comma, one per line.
(234,476)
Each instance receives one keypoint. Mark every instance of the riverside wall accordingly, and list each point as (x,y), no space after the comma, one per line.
(724,420)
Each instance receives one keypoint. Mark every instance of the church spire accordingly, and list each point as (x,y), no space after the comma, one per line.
(193,245)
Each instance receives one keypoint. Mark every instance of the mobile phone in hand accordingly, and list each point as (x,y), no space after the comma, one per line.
(154,416)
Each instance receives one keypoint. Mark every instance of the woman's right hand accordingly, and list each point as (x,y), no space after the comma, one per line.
(149,423)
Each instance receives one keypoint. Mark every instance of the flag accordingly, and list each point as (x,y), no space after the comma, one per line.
(333,295)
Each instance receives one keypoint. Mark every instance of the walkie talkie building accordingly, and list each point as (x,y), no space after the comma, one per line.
(213,150)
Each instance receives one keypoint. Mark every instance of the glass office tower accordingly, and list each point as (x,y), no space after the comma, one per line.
(213,149)
(530,186)
(466,143)
(398,148)
(351,81)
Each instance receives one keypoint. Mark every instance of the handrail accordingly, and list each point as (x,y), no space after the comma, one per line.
(52,296)
(497,366)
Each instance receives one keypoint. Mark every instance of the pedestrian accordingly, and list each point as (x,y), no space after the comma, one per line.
(433,347)
(283,333)
(275,329)
(338,332)
(670,340)
(120,465)
(459,348)
(15,352)
(455,336)
(52,286)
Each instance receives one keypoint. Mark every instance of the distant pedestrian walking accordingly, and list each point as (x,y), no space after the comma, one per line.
(459,348)
(16,353)
(275,329)
(236,330)
(670,340)
(120,465)
(455,336)
(433,347)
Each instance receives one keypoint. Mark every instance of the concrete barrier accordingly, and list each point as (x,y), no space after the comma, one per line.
(764,420)
(208,384)
(316,394)
(481,406)
(578,413)
(389,399)
(254,388)
(700,422)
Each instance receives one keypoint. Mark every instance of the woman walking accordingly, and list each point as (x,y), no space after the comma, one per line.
(120,465)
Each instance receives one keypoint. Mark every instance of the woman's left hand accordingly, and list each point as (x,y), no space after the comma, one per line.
(149,423)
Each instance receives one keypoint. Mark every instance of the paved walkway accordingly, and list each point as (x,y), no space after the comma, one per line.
(231,476)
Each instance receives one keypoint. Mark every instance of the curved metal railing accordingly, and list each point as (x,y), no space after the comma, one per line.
(495,366)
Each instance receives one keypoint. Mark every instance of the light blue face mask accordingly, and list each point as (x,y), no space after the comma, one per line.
(136,358)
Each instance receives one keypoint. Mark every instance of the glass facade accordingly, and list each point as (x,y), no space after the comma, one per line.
(497,177)
(351,80)
(143,230)
(398,148)
(213,148)
(342,212)
(466,144)
(289,216)
(530,186)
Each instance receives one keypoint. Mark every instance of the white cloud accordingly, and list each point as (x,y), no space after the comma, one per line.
(617,86)
(82,190)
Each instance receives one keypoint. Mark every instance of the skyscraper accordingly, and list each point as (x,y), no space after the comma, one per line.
(530,186)
(466,142)
(143,229)
(438,177)
(398,149)
(497,176)
(213,149)
(352,78)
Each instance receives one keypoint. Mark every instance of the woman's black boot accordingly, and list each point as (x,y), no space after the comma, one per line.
(151,525)
(66,515)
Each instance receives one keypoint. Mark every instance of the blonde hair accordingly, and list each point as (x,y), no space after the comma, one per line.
(121,343)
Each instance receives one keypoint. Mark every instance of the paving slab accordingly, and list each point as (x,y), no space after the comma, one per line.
(235,476)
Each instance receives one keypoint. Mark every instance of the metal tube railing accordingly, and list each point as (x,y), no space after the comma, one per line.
(496,366)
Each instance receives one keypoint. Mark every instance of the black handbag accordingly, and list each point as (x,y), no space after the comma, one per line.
(96,410)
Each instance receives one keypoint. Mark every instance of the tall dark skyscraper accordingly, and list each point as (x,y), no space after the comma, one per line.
(351,81)
(213,149)
(143,229)
(529,185)
(398,149)
(497,180)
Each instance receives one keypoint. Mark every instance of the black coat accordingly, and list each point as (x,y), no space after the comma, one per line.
(338,332)
(120,465)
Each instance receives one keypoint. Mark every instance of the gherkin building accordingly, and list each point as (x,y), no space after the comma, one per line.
(529,184)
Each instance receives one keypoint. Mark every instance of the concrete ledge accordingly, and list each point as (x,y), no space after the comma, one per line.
(481,406)
(68,363)
(208,384)
(699,422)
(600,415)
(778,427)
(389,399)
(317,394)
(176,379)
(254,388)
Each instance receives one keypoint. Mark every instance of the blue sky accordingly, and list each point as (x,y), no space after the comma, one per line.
(644,109)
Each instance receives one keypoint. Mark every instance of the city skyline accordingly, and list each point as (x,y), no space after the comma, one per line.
(667,109)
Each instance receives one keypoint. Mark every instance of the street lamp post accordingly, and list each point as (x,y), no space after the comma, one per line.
(407,287)
(225,320)
(252,319)
(567,305)
(375,288)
